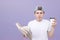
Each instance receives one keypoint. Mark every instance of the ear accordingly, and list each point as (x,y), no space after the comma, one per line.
(34,14)
(43,14)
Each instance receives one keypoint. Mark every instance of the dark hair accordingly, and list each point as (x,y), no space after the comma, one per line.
(39,8)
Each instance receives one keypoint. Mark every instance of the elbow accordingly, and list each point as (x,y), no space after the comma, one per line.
(50,35)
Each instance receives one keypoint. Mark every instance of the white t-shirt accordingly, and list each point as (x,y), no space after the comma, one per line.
(39,29)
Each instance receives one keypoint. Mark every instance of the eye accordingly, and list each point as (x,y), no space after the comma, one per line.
(37,13)
(41,13)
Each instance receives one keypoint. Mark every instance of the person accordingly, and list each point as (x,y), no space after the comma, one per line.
(41,28)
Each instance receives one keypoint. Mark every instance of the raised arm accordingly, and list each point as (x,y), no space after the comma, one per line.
(51,33)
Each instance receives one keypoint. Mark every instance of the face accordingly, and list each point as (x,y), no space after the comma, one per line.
(39,14)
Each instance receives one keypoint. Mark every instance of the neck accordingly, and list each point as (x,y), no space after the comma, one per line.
(39,20)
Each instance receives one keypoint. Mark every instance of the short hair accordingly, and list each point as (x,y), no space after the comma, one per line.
(39,8)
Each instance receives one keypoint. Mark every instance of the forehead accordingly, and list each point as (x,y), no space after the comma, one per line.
(39,11)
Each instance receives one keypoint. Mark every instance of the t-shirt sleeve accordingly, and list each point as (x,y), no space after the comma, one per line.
(29,24)
(49,27)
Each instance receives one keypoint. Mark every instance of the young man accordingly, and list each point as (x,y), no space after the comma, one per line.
(41,28)
(38,29)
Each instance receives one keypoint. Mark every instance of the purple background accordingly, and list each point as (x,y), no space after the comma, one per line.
(22,11)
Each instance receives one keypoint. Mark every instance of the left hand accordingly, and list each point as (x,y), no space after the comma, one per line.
(54,23)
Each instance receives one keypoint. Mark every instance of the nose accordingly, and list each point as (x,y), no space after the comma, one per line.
(39,13)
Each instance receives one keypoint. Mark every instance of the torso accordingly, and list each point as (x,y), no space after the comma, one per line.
(39,29)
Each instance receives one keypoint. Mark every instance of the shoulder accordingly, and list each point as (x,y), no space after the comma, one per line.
(32,21)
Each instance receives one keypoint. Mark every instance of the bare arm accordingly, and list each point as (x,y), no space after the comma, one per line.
(51,33)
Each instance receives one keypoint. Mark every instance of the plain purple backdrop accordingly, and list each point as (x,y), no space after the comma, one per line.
(22,11)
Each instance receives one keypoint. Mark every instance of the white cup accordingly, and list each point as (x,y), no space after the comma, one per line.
(52,19)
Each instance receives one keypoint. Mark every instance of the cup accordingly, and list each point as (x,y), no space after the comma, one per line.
(52,19)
